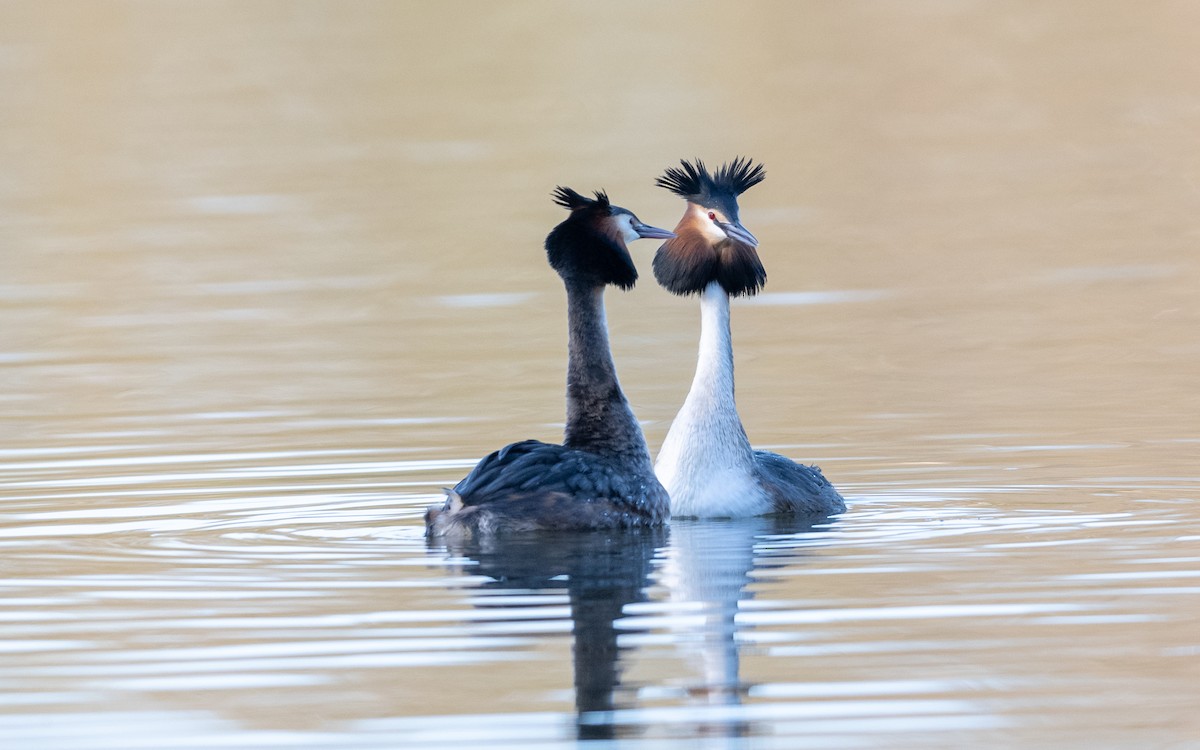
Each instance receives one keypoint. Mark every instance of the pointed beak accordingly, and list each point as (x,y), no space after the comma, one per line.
(738,232)
(647,232)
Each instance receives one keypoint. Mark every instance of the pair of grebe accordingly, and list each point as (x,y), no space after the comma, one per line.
(601,477)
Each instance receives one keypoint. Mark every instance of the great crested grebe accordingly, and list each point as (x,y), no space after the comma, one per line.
(601,477)
(706,462)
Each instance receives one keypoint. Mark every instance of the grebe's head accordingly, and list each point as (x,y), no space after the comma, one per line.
(591,245)
(710,243)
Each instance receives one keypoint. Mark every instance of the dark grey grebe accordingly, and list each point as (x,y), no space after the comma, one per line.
(601,476)
(706,462)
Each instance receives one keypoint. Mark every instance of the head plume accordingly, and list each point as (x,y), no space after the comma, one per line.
(584,248)
(568,198)
(719,189)
(693,260)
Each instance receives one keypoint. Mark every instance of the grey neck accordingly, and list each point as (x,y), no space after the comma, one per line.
(599,418)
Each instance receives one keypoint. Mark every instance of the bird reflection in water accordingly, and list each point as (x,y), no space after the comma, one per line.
(707,572)
(602,572)
(701,570)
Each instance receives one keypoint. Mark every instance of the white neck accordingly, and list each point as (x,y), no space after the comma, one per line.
(706,462)
(707,569)
(714,367)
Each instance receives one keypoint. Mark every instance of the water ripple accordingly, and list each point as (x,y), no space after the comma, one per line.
(280,574)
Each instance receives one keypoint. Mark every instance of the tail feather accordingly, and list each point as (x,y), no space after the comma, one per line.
(454,499)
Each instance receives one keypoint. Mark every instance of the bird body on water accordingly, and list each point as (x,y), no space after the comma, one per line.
(706,461)
(601,477)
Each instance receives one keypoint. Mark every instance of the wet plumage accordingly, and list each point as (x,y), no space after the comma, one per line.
(533,485)
(794,487)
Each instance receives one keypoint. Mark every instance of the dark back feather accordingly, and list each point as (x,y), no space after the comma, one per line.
(795,488)
(532,484)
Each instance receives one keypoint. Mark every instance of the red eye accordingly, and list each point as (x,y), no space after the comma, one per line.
(712,216)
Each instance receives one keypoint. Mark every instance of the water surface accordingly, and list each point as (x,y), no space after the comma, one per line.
(271,276)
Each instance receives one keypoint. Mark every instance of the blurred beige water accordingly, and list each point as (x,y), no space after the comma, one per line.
(271,274)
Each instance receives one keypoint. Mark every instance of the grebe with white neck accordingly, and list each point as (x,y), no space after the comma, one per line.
(706,462)
(601,477)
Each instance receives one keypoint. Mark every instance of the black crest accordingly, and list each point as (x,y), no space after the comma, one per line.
(568,198)
(585,248)
(719,189)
